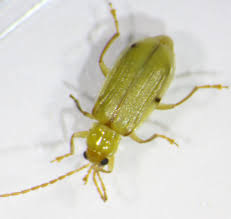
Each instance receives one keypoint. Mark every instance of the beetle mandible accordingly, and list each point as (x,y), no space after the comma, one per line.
(133,88)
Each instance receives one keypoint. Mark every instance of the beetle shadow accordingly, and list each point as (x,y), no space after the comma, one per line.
(188,75)
(132,28)
(91,79)
(189,59)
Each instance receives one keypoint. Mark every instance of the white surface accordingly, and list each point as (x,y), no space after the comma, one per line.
(55,52)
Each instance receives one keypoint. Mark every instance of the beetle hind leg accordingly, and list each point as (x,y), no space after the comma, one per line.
(105,70)
(163,106)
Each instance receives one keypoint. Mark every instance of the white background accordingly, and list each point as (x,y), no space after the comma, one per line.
(55,52)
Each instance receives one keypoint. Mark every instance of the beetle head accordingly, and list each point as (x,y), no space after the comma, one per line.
(102,144)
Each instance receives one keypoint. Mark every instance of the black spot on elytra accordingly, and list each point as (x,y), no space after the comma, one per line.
(133,45)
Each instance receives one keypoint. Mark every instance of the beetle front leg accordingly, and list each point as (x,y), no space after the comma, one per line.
(134,137)
(163,106)
(89,115)
(105,70)
(82,134)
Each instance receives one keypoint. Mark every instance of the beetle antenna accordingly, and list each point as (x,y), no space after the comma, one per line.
(47,183)
(103,192)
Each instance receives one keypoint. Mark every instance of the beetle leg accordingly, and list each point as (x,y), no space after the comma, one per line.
(163,106)
(134,137)
(89,115)
(82,134)
(102,65)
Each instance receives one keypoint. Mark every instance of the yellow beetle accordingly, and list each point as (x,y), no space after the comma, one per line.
(133,88)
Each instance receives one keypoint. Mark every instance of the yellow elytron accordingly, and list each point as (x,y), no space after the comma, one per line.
(133,88)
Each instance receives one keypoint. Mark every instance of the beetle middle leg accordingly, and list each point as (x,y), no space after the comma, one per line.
(82,134)
(105,70)
(163,106)
(89,115)
(134,137)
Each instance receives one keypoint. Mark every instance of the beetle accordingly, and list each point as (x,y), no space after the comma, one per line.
(133,88)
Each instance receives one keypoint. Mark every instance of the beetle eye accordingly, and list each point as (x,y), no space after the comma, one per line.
(85,154)
(104,161)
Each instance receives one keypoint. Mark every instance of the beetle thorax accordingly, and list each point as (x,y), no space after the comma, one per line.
(102,142)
